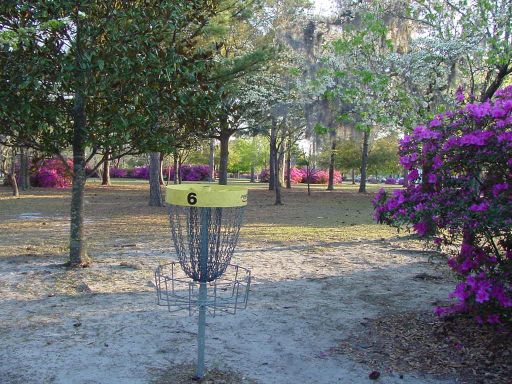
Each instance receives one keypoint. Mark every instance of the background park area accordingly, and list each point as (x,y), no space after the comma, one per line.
(375,141)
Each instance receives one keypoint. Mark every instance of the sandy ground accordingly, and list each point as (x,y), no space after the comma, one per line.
(102,324)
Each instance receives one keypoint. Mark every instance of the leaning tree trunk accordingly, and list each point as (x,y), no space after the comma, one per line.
(77,242)
(211,161)
(223,161)
(364,162)
(155,192)
(330,185)
(105,175)
(282,165)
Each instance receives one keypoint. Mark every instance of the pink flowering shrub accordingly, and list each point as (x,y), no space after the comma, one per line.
(299,175)
(319,176)
(463,197)
(51,173)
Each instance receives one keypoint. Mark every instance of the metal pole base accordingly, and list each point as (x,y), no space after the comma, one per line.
(201,328)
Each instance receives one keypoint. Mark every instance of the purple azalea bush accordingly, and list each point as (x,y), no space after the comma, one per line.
(193,172)
(463,200)
(139,172)
(264,176)
(187,172)
(116,172)
(51,173)
(299,175)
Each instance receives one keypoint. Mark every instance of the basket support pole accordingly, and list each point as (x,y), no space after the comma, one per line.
(203,265)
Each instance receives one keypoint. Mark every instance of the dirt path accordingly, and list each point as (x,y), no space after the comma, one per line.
(102,325)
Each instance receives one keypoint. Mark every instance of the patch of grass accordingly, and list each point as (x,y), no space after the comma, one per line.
(121,213)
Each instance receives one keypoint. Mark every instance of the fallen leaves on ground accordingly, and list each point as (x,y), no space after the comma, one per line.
(453,346)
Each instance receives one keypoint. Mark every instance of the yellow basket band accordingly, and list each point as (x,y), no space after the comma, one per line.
(206,195)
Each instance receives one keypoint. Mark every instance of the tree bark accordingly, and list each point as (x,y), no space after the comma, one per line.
(488,93)
(24,170)
(364,162)
(105,175)
(308,178)
(273,156)
(405,174)
(77,242)
(176,168)
(223,161)
(253,171)
(282,164)
(11,176)
(288,167)
(161,170)
(353,176)
(155,192)
(277,183)
(330,184)
(211,161)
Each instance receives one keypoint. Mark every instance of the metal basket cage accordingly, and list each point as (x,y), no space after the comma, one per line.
(192,227)
(176,291)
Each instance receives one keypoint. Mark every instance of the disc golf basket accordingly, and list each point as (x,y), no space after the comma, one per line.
(205,225)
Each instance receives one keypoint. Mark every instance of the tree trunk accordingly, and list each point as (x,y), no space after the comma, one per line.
(288,167)
(273,156)
(77,242)
(105,175)
(277,184)
(405,174)
(161,169)
(211,161)
(11,176)
(488,93)
(24,170)
(308,178)
(223,161)
(155,192)
(353,176)
(330,184)
(364,162)
(280,167)
(180,176)
(253,171)
(176,168)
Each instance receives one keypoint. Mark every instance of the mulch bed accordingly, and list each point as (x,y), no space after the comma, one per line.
(455,347)
(184,374)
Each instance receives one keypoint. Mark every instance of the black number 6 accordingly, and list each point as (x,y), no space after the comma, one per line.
(191,198)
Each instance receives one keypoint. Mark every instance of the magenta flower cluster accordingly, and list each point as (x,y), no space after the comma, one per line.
(188,172)
(460,195)
(300,175)
(51,173)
